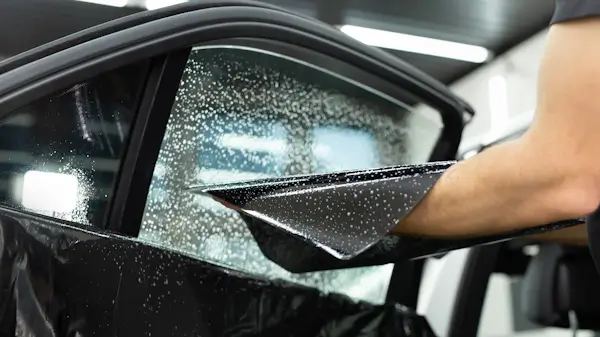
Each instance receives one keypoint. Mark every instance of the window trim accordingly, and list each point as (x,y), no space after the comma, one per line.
(117,25)
(131,189)
(153,38)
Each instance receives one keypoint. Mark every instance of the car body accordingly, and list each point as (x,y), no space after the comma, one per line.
(104,132)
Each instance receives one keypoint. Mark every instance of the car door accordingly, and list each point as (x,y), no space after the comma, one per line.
(102,135)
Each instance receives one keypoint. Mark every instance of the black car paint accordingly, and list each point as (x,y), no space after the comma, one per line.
(59,280)
(64,280)
(77,58)
(325,31)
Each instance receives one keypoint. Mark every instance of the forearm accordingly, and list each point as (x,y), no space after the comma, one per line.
(511,186)
(550,174)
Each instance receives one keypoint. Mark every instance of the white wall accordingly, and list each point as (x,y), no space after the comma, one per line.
(503,93)
(441,279)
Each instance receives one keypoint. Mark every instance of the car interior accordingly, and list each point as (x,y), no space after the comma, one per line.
(542,288)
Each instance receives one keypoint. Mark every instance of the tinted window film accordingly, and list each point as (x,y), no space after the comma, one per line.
(60,155)
(243,114)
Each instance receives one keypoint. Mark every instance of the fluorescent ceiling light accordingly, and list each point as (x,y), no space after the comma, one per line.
(114,3)
(49,191)
(498,99)
(417,44)
(156,4)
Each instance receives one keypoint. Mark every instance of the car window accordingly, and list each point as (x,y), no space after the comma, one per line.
(243,114)
(59,155)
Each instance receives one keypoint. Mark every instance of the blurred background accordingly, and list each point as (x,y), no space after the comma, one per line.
(486,51)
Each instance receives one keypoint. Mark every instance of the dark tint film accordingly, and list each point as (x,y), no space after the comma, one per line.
(60,155)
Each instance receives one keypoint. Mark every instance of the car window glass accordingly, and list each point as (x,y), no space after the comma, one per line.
(243,114)
(60,154)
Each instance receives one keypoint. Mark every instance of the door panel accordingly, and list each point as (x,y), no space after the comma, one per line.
(90,282)
(243,113)
(65,281)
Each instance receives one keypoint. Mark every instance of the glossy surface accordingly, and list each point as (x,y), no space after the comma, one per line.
(243,113)
(300,237)
(60,154)
(298,256)
(342,213)
(64,281)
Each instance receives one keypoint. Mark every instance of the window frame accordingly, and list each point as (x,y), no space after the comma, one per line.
(406,276)
(37,78)
(133,181)
(129,206)
(165,37)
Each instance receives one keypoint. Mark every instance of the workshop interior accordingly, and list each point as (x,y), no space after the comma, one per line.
(190,168)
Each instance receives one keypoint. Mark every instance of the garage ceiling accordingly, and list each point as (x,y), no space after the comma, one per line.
(494,24)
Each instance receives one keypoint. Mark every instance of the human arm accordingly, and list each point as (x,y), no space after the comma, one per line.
(550,174)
